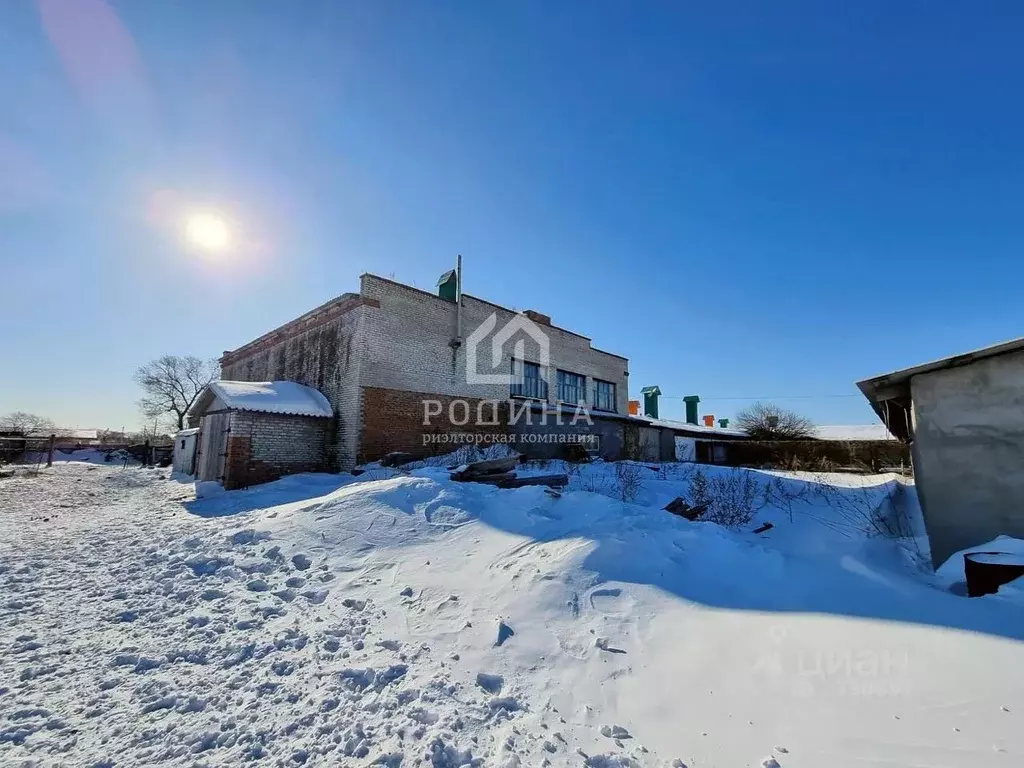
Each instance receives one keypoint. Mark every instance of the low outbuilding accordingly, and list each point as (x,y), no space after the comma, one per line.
(184,457)
(964,419)
(255,431)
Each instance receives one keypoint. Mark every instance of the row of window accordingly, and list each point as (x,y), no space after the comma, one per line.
(572,387)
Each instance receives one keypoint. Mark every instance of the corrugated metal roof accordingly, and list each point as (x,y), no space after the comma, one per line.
(285,397)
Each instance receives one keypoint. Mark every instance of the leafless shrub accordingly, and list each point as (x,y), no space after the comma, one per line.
(378,474)
(629,479)
(631,442)
(865,511)
(499,451)
(582,480)
(732,499)
(787,495)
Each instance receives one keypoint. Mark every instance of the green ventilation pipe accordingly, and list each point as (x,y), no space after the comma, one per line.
(651,395)
(691,408)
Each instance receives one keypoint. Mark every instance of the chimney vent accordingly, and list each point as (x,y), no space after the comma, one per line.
(537,317)
(651,395)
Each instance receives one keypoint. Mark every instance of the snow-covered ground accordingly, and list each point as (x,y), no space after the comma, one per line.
(403,619)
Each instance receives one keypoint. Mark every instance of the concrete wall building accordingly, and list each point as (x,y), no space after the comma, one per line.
(964,418)
(377,355)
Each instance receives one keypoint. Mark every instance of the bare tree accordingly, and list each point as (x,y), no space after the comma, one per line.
(172,384)
(767,421)
(27,423)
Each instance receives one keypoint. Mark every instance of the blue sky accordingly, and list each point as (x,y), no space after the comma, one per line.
(746,199)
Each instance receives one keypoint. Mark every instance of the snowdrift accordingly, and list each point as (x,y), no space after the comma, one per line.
(404,619)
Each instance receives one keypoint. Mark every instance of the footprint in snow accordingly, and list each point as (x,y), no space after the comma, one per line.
(770,762)
(615,732)
(504,633)
(315,596)
(490,683)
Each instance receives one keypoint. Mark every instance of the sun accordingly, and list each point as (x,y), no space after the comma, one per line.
(208,231)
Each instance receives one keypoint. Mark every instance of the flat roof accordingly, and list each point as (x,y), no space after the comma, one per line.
(878,388)
(893,389)
(490,304)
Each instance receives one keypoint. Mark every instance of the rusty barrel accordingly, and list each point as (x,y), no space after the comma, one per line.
(987,571)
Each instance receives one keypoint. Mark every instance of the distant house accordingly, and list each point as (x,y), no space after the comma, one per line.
(668,440)
(964,418)
(76,438)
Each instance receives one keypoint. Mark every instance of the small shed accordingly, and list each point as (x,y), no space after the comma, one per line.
(255,431)
(184,460)
(963,417)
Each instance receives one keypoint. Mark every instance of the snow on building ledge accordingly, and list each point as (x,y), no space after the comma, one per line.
(284,397)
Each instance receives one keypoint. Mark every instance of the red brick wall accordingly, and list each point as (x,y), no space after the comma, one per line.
(236,465)
(393,421)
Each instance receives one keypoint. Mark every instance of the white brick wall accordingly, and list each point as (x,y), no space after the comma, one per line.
(407,346)
(404,344)
(281,440)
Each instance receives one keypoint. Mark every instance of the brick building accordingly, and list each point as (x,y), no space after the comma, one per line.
(378,356)
(252,432)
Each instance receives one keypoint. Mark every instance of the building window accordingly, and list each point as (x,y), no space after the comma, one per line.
(604,395)
(572,388)
(527,381)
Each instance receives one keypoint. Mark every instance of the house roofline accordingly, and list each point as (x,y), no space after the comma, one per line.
(327,311)
(490,304)
(348,301)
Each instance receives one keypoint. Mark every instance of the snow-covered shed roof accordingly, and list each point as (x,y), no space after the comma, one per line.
(285,397)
